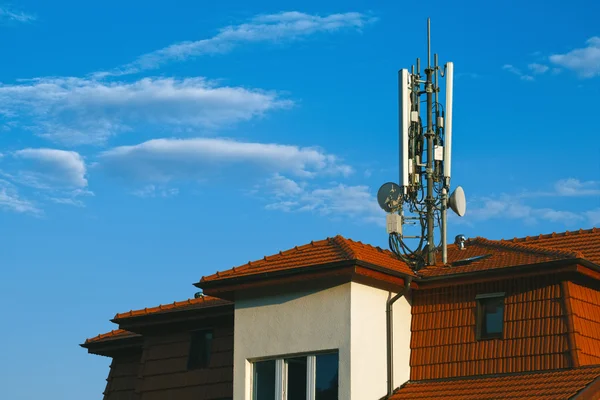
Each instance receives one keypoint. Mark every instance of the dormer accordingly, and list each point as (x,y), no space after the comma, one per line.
(509,319)
(310,322)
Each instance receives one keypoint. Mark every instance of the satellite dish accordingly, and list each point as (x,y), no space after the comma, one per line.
(389,197)
(458,202)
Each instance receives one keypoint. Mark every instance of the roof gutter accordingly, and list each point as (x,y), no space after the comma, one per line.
(390,337)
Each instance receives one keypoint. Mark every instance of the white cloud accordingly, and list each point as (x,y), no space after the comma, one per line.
(50,168)
(585,61)
(71,198)
(10,200)
(512,208)
(538,69)
(78,111)
(281,186)
(164,160)
(153,191)
(574,187)
(514,70)
(279,27)
(335,200)
(17,16)
(593,217)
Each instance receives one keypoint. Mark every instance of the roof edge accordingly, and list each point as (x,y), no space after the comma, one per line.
(297,271)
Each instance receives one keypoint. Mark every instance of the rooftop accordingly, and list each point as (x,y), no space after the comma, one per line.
(549,385)
(494,254)
(200,302)
(331,250)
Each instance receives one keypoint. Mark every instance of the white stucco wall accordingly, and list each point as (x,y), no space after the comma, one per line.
(368,346)
(350,318)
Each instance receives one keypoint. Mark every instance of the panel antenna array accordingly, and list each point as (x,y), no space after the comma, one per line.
(425,133)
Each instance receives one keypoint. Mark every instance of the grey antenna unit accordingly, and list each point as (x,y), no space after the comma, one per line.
(421,196)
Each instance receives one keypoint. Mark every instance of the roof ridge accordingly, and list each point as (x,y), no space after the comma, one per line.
(510,245)
(111,334)
(553,235)
(342,243)
(168,306)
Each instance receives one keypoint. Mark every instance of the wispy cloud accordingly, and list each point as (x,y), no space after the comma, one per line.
(333,200)
(81,111)
(517,206)
(576,187)
(58,176)
(510,208)
(537,68)
(593,217)
(514,70)
(10,200)
(284,26)
(584,61)
(166,160)
(50,169)
(153,191)
(8,14)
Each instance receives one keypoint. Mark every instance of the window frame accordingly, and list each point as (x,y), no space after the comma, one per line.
(281,373)
(195,335)
(481,300)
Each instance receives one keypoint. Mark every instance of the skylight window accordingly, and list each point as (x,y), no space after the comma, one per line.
(490,316)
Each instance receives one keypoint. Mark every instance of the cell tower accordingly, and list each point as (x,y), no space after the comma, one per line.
(425,133)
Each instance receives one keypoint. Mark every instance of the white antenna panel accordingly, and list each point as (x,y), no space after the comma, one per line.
(405,115)
(448,121)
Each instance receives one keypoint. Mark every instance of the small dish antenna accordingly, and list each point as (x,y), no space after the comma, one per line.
(458,202)
(389,197)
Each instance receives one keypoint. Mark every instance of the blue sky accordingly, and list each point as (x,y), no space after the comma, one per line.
(149,143)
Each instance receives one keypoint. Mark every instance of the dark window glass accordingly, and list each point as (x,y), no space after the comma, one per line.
(296,378)
(200,349)
(264,380)
(491,317)
(327,377)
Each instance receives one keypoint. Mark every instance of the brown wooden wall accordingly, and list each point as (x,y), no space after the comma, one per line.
(163,373)
(584,309)
(444,344)
(122,377)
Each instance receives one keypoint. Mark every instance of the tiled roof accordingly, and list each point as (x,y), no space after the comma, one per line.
(551,385)
(501,254)
(112,335)
(443,325)
(330,250)
(586,241)
(200,302)
(583,305)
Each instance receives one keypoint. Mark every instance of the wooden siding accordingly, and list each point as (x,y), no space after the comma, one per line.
(584,304)
(122,377)
(164,374)
(444,344)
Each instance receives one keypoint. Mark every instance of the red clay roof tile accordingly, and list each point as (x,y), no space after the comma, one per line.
(549,385)
(330,250)
(112,335)
(200,302)
(501,254)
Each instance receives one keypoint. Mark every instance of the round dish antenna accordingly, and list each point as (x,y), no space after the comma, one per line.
(458,202)
(389,197)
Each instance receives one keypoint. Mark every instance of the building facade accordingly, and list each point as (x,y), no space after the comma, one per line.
(338,319)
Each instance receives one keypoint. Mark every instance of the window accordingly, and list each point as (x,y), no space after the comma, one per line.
(312,377)
(200,349)
(490,315)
